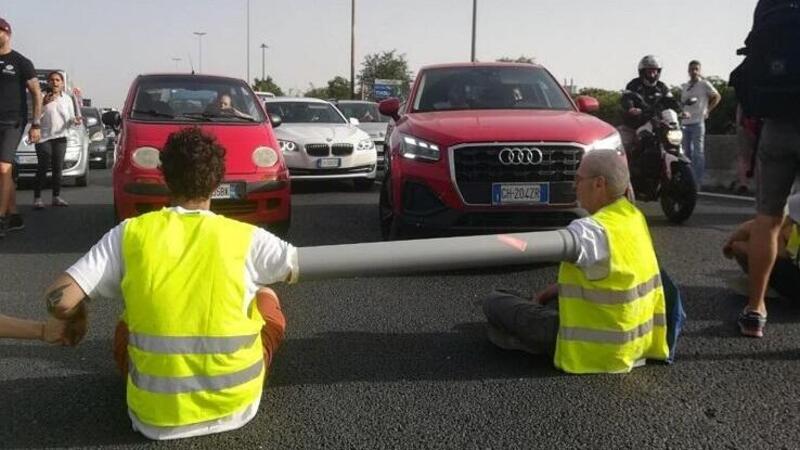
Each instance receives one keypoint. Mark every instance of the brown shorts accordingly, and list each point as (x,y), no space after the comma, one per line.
(271,333)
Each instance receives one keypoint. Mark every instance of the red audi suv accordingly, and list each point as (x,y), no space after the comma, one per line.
(486,147)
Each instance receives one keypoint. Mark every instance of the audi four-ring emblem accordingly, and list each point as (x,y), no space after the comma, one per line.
(520,156)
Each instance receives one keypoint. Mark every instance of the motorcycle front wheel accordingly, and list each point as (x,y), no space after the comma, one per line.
(679,194)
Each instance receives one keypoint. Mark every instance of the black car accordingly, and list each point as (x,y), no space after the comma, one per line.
(101,140)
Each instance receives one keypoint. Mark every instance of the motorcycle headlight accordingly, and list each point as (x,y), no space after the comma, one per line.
(610,142)
(146,158)
(366,144)
(413,148)
(675,137)
(97,136)
(265,157)
(287,146)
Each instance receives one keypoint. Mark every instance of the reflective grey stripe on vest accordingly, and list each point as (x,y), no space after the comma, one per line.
(190,345)
(610,296)
(177,385)
(611,337)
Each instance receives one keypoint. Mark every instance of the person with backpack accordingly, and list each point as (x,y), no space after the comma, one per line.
(767,85)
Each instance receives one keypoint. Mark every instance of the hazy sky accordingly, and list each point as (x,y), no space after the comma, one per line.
(104,44)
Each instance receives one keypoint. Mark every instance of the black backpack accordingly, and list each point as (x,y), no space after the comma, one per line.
(767,82)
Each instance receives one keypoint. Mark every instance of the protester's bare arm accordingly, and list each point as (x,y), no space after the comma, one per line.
(34,134)
(66,301)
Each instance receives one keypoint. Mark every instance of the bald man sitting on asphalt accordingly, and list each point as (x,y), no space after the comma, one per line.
(606,314)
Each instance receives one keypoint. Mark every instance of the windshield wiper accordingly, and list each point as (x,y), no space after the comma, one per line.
(220,117)
(153,112)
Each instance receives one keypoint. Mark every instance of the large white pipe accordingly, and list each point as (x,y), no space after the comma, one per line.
(430,255)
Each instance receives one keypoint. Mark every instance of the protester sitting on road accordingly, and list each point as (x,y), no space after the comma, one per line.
(59,114)
(607,312)
(785,275)
(51,331)
(199,329)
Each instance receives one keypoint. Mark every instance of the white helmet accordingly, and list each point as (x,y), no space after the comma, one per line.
(649,62)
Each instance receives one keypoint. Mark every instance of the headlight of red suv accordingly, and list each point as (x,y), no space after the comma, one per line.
(413,148)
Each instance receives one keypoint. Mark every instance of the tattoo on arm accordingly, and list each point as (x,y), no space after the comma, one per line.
(54,297)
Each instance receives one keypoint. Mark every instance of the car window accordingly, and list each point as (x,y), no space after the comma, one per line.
(195,99)
(305,112)
(489,88)
(364,112)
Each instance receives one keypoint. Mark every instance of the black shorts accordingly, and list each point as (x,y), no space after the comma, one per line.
(10,135)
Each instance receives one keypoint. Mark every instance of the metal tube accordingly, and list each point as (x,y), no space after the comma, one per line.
(428,255)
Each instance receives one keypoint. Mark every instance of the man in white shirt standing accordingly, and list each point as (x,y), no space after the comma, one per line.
(694,125)
(200,328)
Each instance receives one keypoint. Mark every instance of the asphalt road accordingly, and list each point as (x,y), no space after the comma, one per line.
(403,362)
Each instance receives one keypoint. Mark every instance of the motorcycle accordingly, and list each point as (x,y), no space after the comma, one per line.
(659,168)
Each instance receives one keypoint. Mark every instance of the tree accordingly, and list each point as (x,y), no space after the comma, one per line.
(338,88)
(267,85)
(521,59)
(388,65)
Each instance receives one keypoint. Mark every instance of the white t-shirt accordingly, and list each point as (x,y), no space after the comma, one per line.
(99,274)
(594,257)
(702,89)
(58,117)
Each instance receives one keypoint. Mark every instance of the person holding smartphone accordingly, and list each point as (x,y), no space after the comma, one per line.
(59,114)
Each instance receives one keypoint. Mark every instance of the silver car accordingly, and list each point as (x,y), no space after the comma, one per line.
(370,120)
(319,143)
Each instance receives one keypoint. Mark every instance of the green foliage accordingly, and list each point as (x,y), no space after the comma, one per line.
(267,85)
(388,65)
(610,109)
(520,59)
(723,119)
(338,88)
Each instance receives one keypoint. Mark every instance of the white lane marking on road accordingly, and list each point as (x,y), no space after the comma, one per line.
(727,196)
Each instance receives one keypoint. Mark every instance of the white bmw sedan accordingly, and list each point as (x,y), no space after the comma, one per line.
(318,143)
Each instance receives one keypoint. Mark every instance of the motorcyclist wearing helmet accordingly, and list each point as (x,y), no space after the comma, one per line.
(650,88)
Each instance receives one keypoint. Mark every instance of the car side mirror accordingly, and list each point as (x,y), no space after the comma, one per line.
(112,119)
(390,107)
(354,121)
(587,104)
(275,120)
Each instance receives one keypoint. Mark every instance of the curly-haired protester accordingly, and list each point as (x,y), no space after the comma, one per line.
(59,114)
(199,329)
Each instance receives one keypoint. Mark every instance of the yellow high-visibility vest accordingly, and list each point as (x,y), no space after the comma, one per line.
(793,245)
(608,325)
(194,349)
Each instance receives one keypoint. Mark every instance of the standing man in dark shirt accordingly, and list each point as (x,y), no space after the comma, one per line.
(650,88)
(16,75)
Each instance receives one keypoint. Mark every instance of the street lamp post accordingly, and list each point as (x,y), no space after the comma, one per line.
(177,60)
(352,49)
(474,17)
(200,35)
(264,47)
(247,78)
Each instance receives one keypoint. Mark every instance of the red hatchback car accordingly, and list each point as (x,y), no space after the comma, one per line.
(256,186)
(486,147)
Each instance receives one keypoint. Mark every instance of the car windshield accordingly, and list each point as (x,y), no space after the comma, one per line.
(195,99)
(493,87)
(364,112)
(305,112)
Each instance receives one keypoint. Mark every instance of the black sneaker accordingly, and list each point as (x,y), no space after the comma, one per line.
(15,222)
(751,323)
(3,226)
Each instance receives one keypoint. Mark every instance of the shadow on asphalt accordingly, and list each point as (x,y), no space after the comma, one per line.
(83,409)
(319,187)
(60,230)
(464,354)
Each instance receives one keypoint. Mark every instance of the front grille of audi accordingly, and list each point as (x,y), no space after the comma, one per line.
(477,167)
